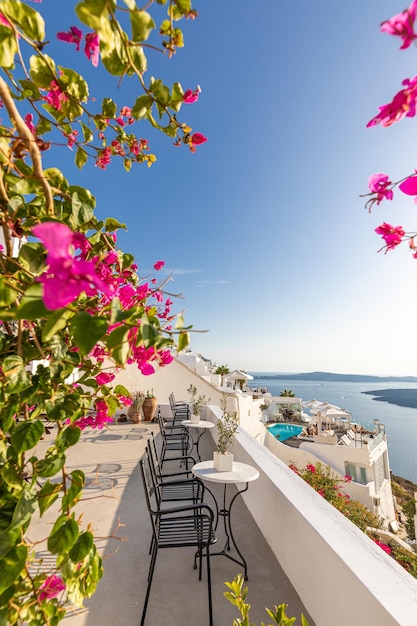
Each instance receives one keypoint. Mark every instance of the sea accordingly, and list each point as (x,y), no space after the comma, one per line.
(400,422)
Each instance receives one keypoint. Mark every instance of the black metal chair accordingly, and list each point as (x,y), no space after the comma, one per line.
(183,526)
(176,405)
(175,438)
(173,486)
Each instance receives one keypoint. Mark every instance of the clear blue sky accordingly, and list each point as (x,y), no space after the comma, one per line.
(264,228)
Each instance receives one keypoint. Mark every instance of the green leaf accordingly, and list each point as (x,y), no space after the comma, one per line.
(80,158)
(30,90)
(120,390)
(141,107)
(7,294)
(74,83)
(81,547)
(111,224)
(50,466)
(67,437)
(27,434)
(63,536)
(160,91)
(32,306)
(139,60)
(149,332)
(183,341)
(90,12)
(77,484)
(32,256)
(56,322)
(118,345)
(87,132)
(109,108)
(142,25)
(16,377)
(8,47)
(27,19)
(56,178)
(24,509)
(42,70)
(47,495)
(87,330)
(131,4)
(11,565)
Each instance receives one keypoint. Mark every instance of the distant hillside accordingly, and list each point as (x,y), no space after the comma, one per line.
(344,378)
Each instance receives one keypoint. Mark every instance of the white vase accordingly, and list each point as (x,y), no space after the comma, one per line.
(223,462)
(195,419)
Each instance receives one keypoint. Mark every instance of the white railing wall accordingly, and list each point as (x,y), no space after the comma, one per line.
(341,576)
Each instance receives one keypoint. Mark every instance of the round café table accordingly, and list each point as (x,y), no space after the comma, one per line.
(242,473)
(202,426)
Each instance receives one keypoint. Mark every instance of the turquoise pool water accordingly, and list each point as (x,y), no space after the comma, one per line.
(284,431)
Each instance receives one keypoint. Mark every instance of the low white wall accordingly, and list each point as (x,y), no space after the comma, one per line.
(342,577)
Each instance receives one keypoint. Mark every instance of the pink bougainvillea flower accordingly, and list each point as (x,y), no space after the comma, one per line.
(4,20)
(379,184)
(402,25)
(66,277)
(190,97)
(99,420)
(384,546)
(159,265)
(409,186)
(51,588)
(197,139)
(29,123)
(92,48)
(71,137)
(74,35)
(55,95)
(392,235)
(403,104)
(104,378)
(104,158)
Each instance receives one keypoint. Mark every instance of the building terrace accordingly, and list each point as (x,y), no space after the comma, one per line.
(299,549)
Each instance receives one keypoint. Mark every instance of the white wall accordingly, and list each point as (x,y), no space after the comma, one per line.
(343,578)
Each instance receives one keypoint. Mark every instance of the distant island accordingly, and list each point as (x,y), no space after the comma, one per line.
(400,397)
(342,378)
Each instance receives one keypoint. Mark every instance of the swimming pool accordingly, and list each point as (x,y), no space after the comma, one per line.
(284,431)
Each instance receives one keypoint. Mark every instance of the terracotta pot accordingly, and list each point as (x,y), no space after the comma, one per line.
(136,418)
(131,411)
(149,408)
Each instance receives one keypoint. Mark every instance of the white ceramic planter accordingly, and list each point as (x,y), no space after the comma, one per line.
(223,462)
(195,419)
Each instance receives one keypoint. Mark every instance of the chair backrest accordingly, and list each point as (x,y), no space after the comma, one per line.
(148,483)
(172,400)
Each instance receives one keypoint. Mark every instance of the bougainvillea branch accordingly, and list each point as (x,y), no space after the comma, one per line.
(73,306)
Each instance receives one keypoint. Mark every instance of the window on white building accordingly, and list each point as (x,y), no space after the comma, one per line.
(357,473)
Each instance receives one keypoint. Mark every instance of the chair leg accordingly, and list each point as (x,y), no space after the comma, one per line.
(210,601)
(148,590)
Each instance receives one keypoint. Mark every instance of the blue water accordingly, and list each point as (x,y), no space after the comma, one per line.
(284,431)
(400,422)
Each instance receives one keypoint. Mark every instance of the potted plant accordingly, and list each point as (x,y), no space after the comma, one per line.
(134,409)
(149,406)
(197,403)
(226,429)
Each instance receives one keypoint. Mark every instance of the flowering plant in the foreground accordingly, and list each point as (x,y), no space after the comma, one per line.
(237,596)
(403,104)
(72,305)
